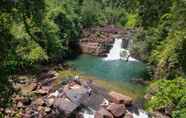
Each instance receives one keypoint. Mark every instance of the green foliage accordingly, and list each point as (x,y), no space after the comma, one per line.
(161,41)
(168,94)
(150,11)
(132,20)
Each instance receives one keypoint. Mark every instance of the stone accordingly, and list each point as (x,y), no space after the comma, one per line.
(39,102)
(1,109)
(117,110)
(20,105)
(50,101)
(75,93)
(103,113)
(55,94)
(40,108)
(128,115)
(79,115)
(65,106)
(18,98)
(120,98)
(7,111)
(47,109)
(44,90)
(46,75)
(28,88)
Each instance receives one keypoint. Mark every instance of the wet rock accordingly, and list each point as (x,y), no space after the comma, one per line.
(103,113)
(120,98)
(128,115)
(117,110)
(65,106)
(79,115)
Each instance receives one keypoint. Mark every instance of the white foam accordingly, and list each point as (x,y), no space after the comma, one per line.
(117,52)
(141,114)
(114,53)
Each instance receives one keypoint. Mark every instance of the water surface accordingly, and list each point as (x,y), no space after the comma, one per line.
(113,74)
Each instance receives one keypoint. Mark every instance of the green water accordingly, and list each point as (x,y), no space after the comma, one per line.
(118,73)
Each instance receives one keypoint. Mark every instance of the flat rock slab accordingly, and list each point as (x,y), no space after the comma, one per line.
(76,94)
(117,110)
(120,98)
(65,106)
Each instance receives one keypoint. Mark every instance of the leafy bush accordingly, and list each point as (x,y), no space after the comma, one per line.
(168,95)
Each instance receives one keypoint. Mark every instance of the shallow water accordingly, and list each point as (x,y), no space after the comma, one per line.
(112,74)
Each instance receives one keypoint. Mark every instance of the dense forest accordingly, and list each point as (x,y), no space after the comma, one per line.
(43,31)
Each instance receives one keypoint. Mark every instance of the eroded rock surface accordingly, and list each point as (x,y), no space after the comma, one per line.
(98,41)
(68,100)
(120,98)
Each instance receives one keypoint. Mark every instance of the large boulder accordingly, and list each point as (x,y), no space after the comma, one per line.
(117,110)
(65,106)
(103,113)
(120,98)
(76,93)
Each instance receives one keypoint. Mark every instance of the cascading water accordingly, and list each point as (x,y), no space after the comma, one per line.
(117,52)
(114,53)
(88,114)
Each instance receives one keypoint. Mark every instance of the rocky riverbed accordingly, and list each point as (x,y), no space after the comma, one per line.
(41,97)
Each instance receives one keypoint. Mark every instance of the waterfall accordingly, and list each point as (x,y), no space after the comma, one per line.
(141,114)
(117,52)
(114,53)
(88,113)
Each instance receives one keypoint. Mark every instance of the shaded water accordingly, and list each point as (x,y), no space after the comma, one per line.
(113,74)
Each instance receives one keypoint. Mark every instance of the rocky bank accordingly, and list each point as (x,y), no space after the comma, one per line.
(98,41)
(39,98)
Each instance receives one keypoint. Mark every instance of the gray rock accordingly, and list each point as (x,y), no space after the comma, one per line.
(120,98)
(103,113)
(65,106)
(117,110)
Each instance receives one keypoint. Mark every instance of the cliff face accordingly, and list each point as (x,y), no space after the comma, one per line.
(98,41)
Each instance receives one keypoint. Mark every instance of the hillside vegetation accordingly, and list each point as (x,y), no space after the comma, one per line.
(43,31)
